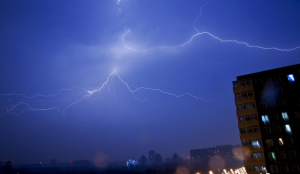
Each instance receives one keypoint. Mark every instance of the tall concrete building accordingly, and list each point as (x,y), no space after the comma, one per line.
(268,113)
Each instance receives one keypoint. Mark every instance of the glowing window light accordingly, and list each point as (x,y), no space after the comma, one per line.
(280,141)
(256,144)
(265,119)
(285,116)
(291,77)
(288,129)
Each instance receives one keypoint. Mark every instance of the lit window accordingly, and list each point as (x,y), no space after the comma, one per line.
(285,116)
(256,144)
(272,156)
(291,77)
(280,142)
(265,119)
(288,129)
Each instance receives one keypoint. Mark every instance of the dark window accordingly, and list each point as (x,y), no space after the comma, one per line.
(242,83)
(267,130)
(269,80)
(248,82)
(248,118)
(277,128)
(273,104)
(295,167)
(237,95)
(250,93)
(258,82)
(241,119)
(256,129)
(275,116)
(246,106)
(244,94)
(279,91)
(262,105)
(249,130)
(285,168)
(277,79)
(252,105)
(282,155)
(281,103)
(289,140)
(239,107)
(274,168)
(292,154)
(236,85)
(297,114)
(254,117)
(269,142)
(243,131)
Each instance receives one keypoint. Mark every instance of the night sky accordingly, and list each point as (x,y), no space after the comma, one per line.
(47,46)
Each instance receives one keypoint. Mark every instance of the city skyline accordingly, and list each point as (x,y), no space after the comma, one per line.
(164,48)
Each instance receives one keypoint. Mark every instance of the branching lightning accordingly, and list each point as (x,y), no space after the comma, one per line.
(11,109)
(126,47)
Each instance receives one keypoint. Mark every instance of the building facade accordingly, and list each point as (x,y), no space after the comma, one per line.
(268,107)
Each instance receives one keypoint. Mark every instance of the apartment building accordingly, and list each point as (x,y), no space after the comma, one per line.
(268,113)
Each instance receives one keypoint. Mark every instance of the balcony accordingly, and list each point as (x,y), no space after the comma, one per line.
(250,136)
(248,123)
(251,161)
(246,111)
(243,88)
(245,100)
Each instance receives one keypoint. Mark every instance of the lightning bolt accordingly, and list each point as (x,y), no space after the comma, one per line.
(198,34)
(89,93)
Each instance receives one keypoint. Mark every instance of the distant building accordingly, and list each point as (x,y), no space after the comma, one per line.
(81,163)
(143,160)
(54,163)
(268,113)
(132,164)
(203,155)
(158,159)
(169,160)
(176,158)
(152,155)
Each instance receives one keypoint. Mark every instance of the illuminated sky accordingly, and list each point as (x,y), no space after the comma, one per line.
(47,46)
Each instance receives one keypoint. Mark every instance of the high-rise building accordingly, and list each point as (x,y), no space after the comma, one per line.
(152,156)
(268,111)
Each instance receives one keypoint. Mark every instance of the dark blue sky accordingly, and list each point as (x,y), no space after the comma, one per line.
(49,45)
